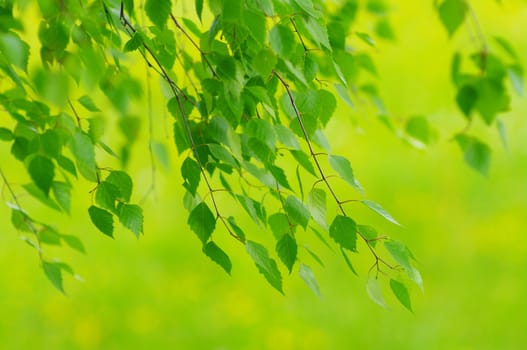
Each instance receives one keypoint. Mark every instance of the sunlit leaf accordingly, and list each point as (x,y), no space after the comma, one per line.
(131,216)
(308,276)
(343,230)
(379,210)
(287,249)
(265,264)
(401,293)
(102,219)
(296,211)
(316,201)
(41,170)
(202,222)
(158,11)
(452,14)
(374,292)
(217,255)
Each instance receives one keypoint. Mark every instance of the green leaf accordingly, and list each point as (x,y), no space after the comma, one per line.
(263,131)
(49,236)
(503,133)
(279,225)
(384,29)
(135,42)
(198,4)
(191,173)
(6,134)
(399,252)
(62,192)
(506,46)
(466,98)
(219,152)
(313,255)
(282,40)
(88,103)
(14,50)
(307,7)
(402,255)
(309,278)
(318,31)
(265,264)
(266,6)
(37,193)
(51,144)
(326,105)
(516,77)
(52,86)
(374,292)
(368,232)
(54,274)
(304,160)
(296,211)
(476,153)
(202,222)
(74,243)
(343,167)
(366,38)
(123,182)
(83,150)
(343,230)
(311,67)
(160,150)
(106,195)
(316,202)
(379,210)
(452,14)
(41,170)
(158,11)
(102,219)
(287,250)
(492,99)
(348,261)
(217,255)
(401,293)
(232,10)
(287,137)
(131,217)
(235,228)
(419,129)
(21,221)
(129,6)
(264,62)
(279,176)
(67,164)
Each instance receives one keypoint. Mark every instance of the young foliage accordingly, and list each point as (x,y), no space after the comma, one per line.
(250,87)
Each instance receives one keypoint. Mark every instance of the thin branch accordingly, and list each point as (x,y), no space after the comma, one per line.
(292,20)
(319,167)
(75,113)
(202,53)
(178,94)
(152,187)
(26,218)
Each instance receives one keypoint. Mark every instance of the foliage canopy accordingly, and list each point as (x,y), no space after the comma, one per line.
(250,86)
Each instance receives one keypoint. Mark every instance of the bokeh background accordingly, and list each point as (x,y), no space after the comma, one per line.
(467,231)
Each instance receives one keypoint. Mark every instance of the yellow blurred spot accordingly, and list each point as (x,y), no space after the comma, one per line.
(240,307)
(87,332)
(282,339)
(143,320)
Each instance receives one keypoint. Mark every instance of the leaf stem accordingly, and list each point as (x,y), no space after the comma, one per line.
(319,167)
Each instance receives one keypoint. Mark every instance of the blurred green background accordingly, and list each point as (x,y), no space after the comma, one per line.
(468,232)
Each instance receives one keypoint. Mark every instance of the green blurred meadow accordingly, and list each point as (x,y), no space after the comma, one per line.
(468,232)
